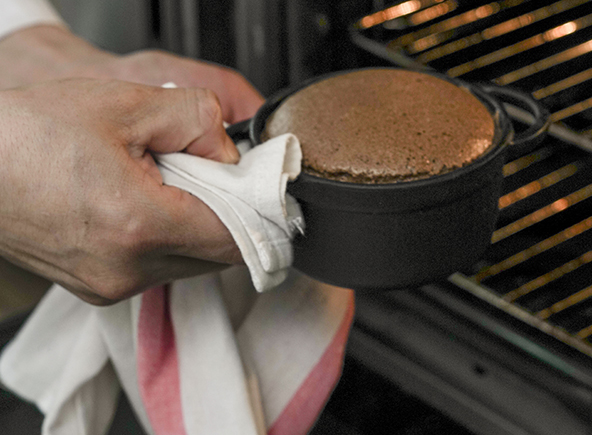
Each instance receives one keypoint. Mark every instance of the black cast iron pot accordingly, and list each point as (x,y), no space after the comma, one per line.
(404,234)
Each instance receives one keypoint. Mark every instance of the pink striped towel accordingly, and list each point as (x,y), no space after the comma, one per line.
(188,361)
(206,355)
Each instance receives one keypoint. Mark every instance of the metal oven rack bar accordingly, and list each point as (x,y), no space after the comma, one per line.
(543,245)
(533,288)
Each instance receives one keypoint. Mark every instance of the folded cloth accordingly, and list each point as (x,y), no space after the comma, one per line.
(206,355)
(250,199)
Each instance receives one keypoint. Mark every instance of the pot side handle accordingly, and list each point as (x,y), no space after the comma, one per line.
(239,131)
(524,108)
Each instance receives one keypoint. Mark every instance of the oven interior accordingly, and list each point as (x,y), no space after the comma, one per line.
(503,348)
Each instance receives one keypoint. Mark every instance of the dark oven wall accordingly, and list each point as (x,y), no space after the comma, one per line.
(274,43)
(279,43)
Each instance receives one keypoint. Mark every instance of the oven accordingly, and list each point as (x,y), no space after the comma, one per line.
(504,348)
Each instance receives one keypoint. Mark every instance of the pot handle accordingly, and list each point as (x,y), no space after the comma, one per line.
(525,108)
(239,131)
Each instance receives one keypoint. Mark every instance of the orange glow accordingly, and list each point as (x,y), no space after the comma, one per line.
(571,300)
(551,61)
(472,16)
(394,12)
(571,110)
(496,56)
(433,13)
(426,43)
(559,205)
(560,31)
(521,193)
(542,213)
(535,186)
(525,45)
(485,11)
(524,162)
(402,9)
(444,25)
(585,333)
(501,28)
(534,250)
(545,279)
(368,21)
(508,26)
(562,85)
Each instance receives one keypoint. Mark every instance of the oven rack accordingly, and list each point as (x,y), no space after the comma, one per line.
(539,267)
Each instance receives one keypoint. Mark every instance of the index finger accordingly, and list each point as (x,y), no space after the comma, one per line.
(185,119)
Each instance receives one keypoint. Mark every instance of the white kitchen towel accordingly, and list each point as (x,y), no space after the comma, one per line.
(187,366)
(206,355)
(250,199)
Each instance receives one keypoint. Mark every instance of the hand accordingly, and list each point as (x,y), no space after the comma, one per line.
(50,52)
(81,200)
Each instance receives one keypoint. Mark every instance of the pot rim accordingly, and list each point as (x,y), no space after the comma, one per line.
(503,135)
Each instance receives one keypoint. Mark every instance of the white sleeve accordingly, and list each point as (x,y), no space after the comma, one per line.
(17,14)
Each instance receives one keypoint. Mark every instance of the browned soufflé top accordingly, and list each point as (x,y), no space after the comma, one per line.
(383,126)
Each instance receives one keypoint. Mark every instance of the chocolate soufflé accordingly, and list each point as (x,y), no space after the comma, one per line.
(383,126)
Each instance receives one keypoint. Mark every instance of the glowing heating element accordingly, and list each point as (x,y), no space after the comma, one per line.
(564,84)
(546,63)
(536,186)
(541,214)
(570,301)
(394,12)
(545,279)
(498,30)
(448,24)
(534,250)
(521,47)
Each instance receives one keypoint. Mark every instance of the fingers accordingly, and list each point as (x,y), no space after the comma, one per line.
(214,144)
(185,236)
(173,236)
(239,99)
(102,224)
(188,120)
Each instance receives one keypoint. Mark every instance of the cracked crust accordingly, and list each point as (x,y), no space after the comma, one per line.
(383,126)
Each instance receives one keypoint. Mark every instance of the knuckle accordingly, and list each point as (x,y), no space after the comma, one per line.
(137,236)
(117,282)
(117,289)
(99,301)
(209,111)
(134,95)
(124,222)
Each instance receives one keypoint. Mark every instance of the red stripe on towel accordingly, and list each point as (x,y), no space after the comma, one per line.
(301,413)
(158,368)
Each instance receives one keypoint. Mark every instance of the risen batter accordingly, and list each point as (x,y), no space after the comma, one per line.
(384,126)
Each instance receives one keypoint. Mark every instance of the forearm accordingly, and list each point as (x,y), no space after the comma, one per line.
(46,52)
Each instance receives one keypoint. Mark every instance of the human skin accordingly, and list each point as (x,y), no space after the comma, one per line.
(50,52)
(81,200)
